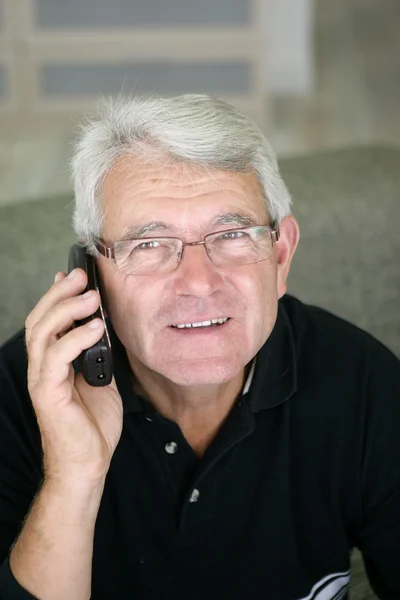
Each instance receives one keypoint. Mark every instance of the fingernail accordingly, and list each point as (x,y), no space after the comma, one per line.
(57,277)
(72,274)
(87,294)
(94,324)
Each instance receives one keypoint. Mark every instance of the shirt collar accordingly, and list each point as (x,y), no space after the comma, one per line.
(275,370)
(249,377)
(271,381)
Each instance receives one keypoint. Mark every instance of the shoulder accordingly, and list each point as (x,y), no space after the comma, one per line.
(13,358)
(20,441)
(339,362)
(13,370)
(347,408)
(330,338)
(15,402)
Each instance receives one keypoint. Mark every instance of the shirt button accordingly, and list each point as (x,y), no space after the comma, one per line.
(171,448)
(195,496)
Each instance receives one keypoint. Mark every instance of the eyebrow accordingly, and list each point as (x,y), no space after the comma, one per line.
(230,218)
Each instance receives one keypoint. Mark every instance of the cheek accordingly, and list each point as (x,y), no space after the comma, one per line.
(260,291)
(117,298)
(125,303)
(259,287)
(122,299)
(133,311)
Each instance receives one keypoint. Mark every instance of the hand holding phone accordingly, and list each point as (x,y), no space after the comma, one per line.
(80,425)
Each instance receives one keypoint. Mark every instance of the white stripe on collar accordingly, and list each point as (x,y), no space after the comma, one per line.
(249,378)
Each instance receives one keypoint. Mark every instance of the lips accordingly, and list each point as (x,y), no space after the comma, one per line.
(207,329)
(205,323)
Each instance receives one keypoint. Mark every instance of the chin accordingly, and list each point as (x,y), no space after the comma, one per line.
(201,372)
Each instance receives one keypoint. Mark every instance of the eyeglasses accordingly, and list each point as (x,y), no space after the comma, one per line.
(149,255)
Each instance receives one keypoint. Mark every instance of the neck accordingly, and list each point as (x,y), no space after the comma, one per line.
(199,411)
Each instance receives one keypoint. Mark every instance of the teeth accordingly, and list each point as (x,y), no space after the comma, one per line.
(202,323)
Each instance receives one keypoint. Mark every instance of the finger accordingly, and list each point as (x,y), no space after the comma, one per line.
(57,320)
(60,275)
(68,286)
(56,363)
(106,411)
(89,394)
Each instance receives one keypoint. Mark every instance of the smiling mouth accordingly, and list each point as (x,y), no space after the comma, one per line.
(202,324)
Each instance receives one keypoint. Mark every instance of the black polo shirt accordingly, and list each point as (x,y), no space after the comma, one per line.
(305,467)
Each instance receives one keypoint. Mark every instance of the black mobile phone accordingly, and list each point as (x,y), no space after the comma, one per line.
(95,363)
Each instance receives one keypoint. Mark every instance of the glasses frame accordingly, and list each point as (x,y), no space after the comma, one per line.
(109,251)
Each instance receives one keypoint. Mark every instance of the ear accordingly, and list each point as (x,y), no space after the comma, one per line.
(285,248)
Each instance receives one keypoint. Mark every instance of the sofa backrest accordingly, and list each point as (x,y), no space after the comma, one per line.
(347,203)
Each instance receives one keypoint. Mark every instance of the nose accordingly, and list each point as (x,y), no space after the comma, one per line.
(196,274)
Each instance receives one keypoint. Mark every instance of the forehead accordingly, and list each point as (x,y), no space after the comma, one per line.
(135,192)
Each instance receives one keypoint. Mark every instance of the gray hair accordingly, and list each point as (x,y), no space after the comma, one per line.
(193,129)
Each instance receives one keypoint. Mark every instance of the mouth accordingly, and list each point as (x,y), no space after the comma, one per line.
(201,325)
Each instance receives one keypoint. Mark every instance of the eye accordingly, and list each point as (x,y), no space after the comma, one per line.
(148,245)
(232,235)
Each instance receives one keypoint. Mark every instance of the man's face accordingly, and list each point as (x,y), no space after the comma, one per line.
(142,308)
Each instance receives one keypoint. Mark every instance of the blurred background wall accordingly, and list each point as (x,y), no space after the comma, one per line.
(314,73)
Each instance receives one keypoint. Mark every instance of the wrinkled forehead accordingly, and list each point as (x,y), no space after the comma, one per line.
(187,196)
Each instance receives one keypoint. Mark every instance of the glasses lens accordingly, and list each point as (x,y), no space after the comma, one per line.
(240,246)
(146,256)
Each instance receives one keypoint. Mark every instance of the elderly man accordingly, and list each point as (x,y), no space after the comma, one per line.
(247,442)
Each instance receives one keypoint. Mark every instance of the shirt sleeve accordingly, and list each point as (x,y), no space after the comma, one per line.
(379,530)
(20,461)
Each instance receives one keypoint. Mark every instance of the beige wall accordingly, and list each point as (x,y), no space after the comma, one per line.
(53,66)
